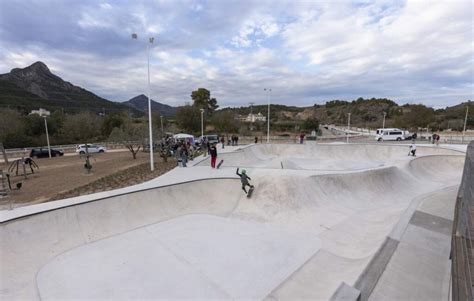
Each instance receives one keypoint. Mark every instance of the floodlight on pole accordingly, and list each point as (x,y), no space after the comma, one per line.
(348,126)
(162,131)
(465,123)
(202,124)
(268,114)
(150,41)
(47,135)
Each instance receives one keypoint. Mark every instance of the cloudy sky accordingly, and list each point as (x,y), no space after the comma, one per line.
(307,52)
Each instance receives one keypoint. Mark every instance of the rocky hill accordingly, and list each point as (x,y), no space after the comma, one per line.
(367,113)
(140,103)
(36,86)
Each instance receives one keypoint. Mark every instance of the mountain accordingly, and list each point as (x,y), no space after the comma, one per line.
(140,103)
(36,86)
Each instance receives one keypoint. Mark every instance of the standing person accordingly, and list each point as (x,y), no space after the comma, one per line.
(302,138)
(236,140)
(256,139)
(178,154)
(412,150)
(223,141)
(244,179)
(437,139)
(213,152)
(184,155)
(208,145)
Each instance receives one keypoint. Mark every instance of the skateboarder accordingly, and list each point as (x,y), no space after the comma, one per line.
(244,179)
(412,150)
(213,152)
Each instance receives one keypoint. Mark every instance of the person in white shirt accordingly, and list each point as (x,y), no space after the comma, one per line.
(412,150)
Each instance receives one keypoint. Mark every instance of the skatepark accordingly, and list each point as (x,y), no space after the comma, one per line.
(324,219)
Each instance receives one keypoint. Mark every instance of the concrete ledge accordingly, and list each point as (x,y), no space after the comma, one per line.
(432,222)
(346,292)
(371,275)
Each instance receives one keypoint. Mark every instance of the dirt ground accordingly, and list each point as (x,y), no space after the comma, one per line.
(63,177)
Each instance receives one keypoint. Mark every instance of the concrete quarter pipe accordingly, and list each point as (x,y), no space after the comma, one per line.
(319,216)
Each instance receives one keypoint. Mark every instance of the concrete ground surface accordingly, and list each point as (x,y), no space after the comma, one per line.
(319,217)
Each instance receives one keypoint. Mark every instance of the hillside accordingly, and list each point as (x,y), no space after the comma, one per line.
(35,86)
(140,103)
(366,113)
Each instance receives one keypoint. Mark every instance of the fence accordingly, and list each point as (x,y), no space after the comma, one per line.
(462,256)
(68,148)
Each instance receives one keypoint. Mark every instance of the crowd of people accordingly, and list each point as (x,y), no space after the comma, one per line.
(185,150)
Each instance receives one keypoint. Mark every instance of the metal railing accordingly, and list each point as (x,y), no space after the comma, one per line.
(462,255)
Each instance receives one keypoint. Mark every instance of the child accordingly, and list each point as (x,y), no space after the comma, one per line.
(412,150)
(244,179)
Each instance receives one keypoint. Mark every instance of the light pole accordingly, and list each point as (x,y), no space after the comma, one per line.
(202,124)
(162,131)
(47,135)
(268,118)
(465,123)
(150,41)
(383,124)
(348,126)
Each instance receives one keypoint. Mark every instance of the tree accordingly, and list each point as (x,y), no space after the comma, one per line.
(111,121)
(202,100)
(131,135)
(311,124)
(225,122)
(81,127)
(188,118)
(12,130)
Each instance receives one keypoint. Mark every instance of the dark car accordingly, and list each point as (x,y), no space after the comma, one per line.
(43,153)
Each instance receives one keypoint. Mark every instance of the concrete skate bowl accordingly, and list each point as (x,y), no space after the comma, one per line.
(325,157)
(298,237)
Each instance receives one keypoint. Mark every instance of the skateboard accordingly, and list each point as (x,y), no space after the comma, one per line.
(249,194)
(220,163)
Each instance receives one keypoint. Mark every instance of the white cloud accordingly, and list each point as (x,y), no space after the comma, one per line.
(304,51)
(256,29)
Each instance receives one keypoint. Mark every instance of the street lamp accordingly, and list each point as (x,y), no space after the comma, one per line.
(268,118)
(150,41)
(202,124)
(162,132)
(465,123)
(383,124)
(47,135)
(348,126)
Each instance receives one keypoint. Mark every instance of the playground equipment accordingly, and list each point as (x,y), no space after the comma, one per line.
(15,165)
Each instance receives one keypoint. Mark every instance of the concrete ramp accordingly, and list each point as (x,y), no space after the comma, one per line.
(303,232)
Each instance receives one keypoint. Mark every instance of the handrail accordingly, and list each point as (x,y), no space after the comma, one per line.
(462,268)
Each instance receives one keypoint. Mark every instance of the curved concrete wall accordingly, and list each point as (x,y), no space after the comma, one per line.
(359,209)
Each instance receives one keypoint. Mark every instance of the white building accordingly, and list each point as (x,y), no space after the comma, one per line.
(253,118)
(41,112)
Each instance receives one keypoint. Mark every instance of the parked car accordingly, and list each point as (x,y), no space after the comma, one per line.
(389,134)
(91,148)
(43,153)
(211,138)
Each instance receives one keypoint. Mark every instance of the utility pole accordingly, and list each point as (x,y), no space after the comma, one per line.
(162,131)
(150,41)
(383,124)
(47,135)
(268,116)
(465,123)
(202,124)
(348,126)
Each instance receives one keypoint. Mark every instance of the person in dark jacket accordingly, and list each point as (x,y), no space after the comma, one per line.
(244,179)
(213,152)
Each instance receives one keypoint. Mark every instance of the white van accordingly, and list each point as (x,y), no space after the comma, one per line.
(389,135)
